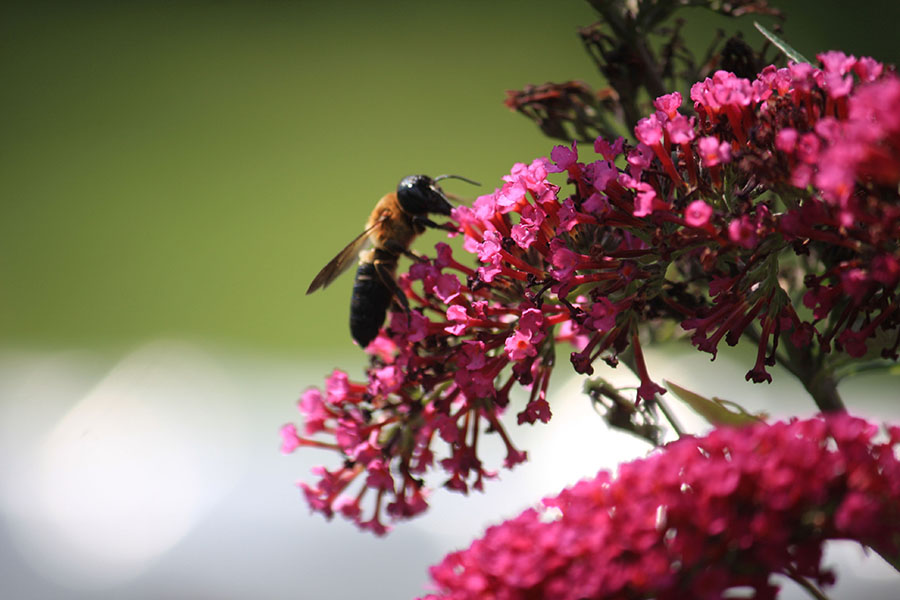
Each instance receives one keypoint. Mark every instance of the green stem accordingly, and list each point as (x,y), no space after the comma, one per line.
(676,426)
(822,386)
(818,379)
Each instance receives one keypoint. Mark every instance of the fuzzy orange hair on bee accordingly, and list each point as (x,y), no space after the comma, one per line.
(398,218)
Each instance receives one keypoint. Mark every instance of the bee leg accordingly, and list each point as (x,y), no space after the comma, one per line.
(387,278)
(399,249)
(426,222)
(412,254)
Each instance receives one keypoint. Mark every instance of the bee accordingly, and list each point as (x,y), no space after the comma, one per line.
(396,221)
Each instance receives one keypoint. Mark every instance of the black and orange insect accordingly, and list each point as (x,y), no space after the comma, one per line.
(396,221)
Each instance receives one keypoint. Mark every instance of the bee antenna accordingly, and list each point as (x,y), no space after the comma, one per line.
(439,177)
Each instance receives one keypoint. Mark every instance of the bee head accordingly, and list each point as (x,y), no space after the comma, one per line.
(420,195)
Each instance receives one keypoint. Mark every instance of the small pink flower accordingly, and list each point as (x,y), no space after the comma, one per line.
(886,269)
(601,173)
(602,315)
(485,207)
(412,325)
(698,213)
(646,200)
(522,343)
(712,152)
(649,130)
(386,380)
(447,287)
(640,158)
(856,283)
(314,412)
(511,197)
(564,157)
(741,231)
(868,69)
(786,140)
(808,147)
(337,386)
(668,104)
(563,260)
(289,439)
(607,150)
(490,247)
(837,62)
(681,129)
(518,346)
(596,205)
(456,314)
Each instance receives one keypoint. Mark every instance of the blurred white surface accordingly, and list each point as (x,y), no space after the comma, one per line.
(126,472)
(160,476)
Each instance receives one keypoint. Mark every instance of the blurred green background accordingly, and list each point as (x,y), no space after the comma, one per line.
(184,168)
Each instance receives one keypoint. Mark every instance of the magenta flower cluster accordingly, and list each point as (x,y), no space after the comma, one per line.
(704,516)
(773,209)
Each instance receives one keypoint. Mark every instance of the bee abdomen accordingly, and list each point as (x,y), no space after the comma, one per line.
(368,304)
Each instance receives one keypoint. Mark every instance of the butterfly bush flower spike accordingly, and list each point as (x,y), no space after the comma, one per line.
(771,213)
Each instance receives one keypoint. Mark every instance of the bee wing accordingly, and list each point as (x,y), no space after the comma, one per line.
(342,261)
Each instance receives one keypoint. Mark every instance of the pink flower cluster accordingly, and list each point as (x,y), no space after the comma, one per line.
(700,517)
(718,222)
(814,164)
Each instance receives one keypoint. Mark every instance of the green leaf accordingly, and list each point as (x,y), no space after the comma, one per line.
(850,368)
(782,45)
(716,411)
